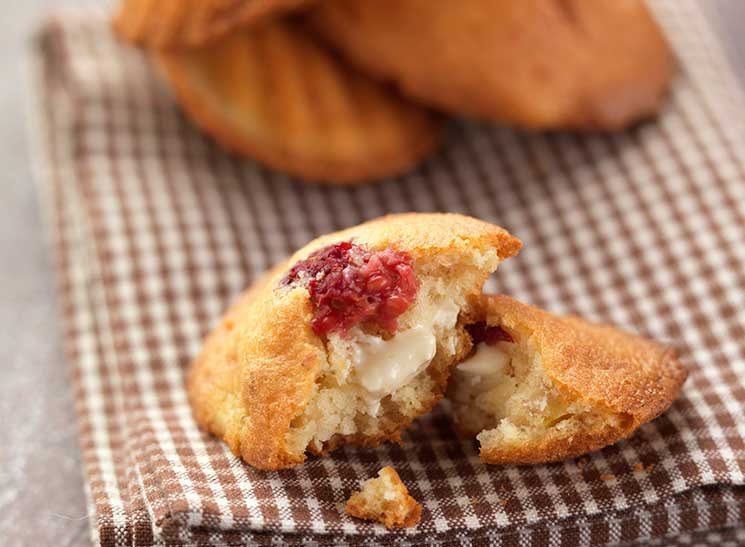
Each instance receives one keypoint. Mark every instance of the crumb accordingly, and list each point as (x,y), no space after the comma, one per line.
(503,502)
(607,477)
(639,467)
(385,499)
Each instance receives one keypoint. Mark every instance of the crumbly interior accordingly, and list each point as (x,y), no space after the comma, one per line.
(501,396)
(385,499)
(352,402)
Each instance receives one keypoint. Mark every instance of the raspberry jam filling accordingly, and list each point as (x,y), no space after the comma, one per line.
(350,285)
(480,332)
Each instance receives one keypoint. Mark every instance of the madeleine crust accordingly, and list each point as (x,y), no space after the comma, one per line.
(616,372)
(214,379)
(257,369)
(191,23)
(539,64)
(275,94)
(423,234)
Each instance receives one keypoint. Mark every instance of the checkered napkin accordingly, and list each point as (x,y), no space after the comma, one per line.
(155,230)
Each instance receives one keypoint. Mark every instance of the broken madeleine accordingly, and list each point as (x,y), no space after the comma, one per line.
(274,94)
(538,64)
(539,387)
(385,499)
(349,340)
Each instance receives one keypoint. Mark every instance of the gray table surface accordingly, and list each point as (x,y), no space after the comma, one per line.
(41,490)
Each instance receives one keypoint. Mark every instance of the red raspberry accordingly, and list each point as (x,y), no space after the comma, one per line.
(350,285)
(480,332)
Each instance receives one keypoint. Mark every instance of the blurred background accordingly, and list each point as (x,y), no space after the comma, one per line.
(40,477)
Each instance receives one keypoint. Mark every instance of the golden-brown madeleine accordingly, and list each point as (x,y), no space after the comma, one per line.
(386,500)
(348,341)
(273,93)
(540,64)
(540,387)
(190,23)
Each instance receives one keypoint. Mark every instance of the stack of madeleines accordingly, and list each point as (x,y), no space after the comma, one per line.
(351,91)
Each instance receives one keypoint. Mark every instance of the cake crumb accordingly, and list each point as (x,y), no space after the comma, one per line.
(607,477)
(385,499)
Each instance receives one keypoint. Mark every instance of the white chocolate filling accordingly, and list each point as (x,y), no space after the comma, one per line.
(380,367)
(375,368)
(383,366)
(485,367)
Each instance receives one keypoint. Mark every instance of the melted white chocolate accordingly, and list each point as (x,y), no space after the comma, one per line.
(486,364)
(380,367)
(383,366)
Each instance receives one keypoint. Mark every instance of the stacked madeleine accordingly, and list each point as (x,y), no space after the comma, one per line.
(351,91)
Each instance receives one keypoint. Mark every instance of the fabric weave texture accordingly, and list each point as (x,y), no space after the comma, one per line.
(155,230)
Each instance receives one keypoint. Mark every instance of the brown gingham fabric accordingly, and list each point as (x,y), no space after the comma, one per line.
(155,230)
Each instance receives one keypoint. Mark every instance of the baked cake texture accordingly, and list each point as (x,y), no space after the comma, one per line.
(386,500)
(539,387)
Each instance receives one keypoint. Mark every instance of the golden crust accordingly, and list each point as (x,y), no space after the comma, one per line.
(257,370)
(386,500)
(214,384)
(273,93)
(608,369)
(540,64)
(191,23)
(423,234)
(553,449)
